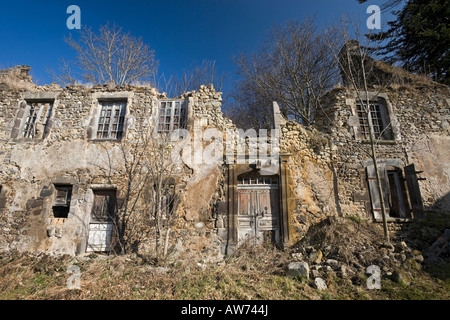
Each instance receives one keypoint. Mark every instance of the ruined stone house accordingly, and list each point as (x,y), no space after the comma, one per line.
(61,175)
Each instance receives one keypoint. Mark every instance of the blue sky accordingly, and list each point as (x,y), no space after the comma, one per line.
(181,32)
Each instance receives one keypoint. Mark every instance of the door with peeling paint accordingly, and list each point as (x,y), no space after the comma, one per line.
(258,212)
(102,221)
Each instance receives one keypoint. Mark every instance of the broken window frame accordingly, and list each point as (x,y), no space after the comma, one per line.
(380,121)
(111,119)
(399,195)
(172,115)
(36,110)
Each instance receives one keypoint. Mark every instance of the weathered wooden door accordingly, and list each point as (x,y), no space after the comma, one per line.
(373,188)
(258,214)
(100,235)
(102,221)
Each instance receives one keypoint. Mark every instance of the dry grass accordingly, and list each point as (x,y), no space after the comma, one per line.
(252,273)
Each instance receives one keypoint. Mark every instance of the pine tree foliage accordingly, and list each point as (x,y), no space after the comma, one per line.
(419,40)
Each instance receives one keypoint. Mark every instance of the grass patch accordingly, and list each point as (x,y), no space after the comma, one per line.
(355,219)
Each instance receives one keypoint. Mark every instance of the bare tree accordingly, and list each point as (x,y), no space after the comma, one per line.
(109,56)
(359,73)
(149,197)
(164,198)
(64,75)
(197,75)
(247,107)
(295,67)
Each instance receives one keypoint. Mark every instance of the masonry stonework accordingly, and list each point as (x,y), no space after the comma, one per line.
(319,171)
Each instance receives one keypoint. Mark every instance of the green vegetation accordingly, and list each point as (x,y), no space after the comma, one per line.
(419,38)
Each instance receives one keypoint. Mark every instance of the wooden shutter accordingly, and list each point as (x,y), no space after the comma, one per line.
(104,206)
(414,191)
(63,195)
(373,188)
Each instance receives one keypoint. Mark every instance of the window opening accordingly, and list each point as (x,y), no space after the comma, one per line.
(111,120)
(61,204)
(172,116)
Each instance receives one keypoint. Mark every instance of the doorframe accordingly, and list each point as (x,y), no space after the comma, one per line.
(93,188)
(231,188)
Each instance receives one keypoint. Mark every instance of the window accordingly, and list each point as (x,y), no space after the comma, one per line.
(111,120)
(3,197)
(167,202)
(379,122)
(36,119)
(258,181)
(104,206)
(401,192)
(61,204)
(172,116)
(397,193)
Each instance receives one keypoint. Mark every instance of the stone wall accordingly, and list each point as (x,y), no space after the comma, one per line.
(420,123)
(320,170)
(70,155)
(311,179)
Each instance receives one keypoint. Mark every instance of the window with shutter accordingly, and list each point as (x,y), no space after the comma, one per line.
(398,207)
(415,197)
(104,206)
(61,203)
(373,188)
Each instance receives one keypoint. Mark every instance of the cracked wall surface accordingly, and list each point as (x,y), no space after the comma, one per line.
(321,168)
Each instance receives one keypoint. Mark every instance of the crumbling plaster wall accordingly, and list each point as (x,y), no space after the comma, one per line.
(311,185)
(202,189)
(422,114)
(70,155)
